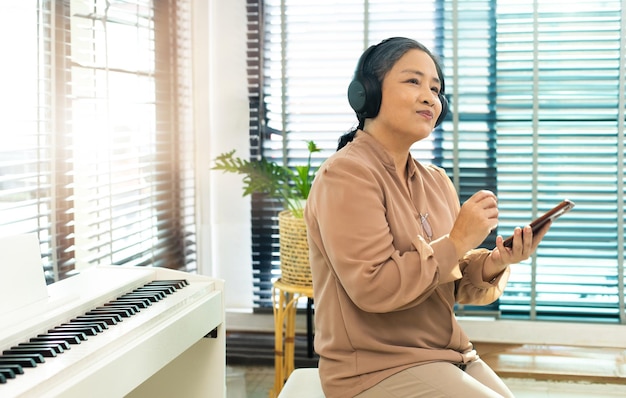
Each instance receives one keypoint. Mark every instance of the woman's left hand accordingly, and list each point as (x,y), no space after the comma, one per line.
(524,245)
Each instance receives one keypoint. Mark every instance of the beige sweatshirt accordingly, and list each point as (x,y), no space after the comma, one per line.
(383,293)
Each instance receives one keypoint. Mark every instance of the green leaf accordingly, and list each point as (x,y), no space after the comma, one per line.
(291,186)
(261,176)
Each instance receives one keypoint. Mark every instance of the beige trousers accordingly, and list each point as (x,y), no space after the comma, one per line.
(439,380)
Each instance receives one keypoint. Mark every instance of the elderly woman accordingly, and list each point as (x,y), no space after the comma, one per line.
(392,250)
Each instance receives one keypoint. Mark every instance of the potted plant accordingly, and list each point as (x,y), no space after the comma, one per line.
(291,187)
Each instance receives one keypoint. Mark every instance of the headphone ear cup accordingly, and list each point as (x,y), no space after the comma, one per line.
(357,97)
(444,109)
(364,91)
(374,96)
(364,96)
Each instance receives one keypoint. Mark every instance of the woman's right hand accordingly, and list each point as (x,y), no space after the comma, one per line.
(477,218)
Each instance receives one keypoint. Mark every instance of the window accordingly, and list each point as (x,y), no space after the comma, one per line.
(560,108)
(537,115)
(97,150)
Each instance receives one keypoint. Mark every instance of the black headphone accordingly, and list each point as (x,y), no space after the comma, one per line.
(364,92)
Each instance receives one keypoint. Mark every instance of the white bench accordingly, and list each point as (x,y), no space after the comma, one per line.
(303,383)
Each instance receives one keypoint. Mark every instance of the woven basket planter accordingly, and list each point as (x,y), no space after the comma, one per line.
(294,250)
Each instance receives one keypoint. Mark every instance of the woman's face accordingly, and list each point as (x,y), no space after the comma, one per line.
(410,103)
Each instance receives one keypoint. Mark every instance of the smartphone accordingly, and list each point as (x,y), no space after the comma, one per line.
(552,214)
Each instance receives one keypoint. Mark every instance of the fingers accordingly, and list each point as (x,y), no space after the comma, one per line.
(524,242)
(527,241)
(485,198)
(477,218)
(487,202)
(541,233)
(483,201)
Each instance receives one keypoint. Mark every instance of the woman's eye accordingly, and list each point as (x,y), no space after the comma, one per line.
(435,90)
(414,81)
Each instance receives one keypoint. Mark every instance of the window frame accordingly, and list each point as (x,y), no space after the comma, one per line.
(52,184)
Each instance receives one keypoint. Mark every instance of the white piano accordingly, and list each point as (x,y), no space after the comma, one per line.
(175,347)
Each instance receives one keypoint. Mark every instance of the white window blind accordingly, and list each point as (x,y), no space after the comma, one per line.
(537,98)
(97,154)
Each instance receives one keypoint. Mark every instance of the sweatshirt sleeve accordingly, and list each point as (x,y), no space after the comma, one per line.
(346,215)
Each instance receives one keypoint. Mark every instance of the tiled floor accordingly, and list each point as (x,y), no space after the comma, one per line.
(258,381)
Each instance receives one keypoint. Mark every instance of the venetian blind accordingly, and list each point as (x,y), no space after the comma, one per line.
(98,153)
(467,141)
(560,109)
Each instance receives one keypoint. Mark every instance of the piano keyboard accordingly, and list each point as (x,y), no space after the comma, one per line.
(115,331)
(56,341)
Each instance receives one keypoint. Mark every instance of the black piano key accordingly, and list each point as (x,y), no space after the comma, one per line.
(57,344)
(137,302)
(3,378)
(148,300)
(158,294)
(96,327)
(156,288)
(179,283)
(102,324)
(128,301)
(162,292)
(88,331)
(123,312)
(15,368)
(23,361)
(45,352)
(53,337)
(132,294)
(163,289)
(150,297)
(122,304)
(108,319)
(130,308)
(8,372)
(81,335)
(58,348)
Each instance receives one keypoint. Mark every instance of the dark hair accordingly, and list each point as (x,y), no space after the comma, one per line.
(365,94)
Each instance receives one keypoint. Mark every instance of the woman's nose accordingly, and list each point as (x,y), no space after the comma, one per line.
(427,97)
(425,94)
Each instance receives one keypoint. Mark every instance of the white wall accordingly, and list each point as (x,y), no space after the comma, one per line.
(221,123)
